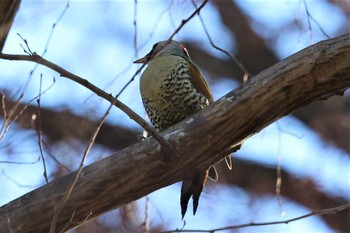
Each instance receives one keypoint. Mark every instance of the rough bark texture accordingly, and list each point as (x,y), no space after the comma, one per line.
(317,72)
(255,178)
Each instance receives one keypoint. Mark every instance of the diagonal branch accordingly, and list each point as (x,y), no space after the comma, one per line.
(166,147)
(188,19)
(203,139)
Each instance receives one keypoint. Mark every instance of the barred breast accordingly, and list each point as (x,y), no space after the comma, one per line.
(169,96)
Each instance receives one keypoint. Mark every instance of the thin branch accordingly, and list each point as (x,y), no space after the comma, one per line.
(7,117)
(233,58)
(279,180)
(136,52)
(12,116)
(29,52)
(166,147)
(59,163)
(40,135)
(19,163)
(169,39)
(26,49)
(333,210)
(16,182)
(80,169)
(147,219)
(309,16)
(54,27)
(188,19)
(157,22)
(135,29)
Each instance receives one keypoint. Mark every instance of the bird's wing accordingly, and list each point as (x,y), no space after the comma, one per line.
(199,82)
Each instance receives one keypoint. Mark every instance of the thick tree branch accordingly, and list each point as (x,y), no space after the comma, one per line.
(61,125)
(317,72)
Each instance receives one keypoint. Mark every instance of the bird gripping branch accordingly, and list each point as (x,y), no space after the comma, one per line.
(172,88)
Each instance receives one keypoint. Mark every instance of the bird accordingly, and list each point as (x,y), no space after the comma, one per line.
(173,88)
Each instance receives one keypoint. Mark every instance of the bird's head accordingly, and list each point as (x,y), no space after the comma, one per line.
(171,47)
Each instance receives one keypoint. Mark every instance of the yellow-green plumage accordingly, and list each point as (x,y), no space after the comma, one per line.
(172,88)
(169,96)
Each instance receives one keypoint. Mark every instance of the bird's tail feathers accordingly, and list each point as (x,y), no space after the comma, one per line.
(192,187)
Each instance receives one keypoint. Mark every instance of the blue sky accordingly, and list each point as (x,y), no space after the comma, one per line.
(95,40)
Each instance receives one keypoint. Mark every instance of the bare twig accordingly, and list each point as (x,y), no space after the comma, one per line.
(154,27)
(54,27)
(188,19)
(7,122)
(147,220)
(309,16)
(40,136)
(16,182)
(136,52)
(233,58)
(279,180)
(7,117)
(169,39)
(135,29)
(28,51)
(279,183)
(11,117)
(20,163)
(333,210)
(47,149)
(80,169)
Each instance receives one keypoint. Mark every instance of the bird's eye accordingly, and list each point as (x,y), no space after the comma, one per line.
(154,46)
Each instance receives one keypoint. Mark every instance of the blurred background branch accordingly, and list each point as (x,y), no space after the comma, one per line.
(101,45)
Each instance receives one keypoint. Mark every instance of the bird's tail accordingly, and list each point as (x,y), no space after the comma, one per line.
(192,187)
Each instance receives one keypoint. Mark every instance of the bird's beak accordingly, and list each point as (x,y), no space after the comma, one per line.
(142,60)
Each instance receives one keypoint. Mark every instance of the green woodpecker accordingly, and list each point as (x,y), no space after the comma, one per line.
(172,88)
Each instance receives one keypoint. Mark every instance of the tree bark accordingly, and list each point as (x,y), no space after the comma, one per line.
(317,72)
